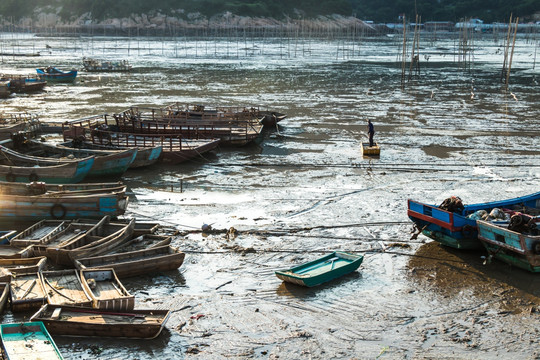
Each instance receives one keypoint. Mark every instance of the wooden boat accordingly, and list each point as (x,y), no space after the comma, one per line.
(13,252)
(23,266)
(106,291)
(74,321)
(27,293)
(6,236)
(135,263)
(232,129)
(145,156)
(54,74)
(36,201)
(143,242)
(456,229)
(374,150)
(175,149)
(39,233)
(99,239)
(321,270)
(23,83)
(106,162)
(4,295)
(17,167)
(64,287)
(95,65)
(28,340)
(521,249)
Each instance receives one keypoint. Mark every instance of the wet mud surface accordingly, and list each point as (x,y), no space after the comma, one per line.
(304,190)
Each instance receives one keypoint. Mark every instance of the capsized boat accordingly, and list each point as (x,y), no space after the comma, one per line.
(321,270)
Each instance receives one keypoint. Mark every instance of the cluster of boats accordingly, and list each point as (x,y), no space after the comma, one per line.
(507,229)
(83,295)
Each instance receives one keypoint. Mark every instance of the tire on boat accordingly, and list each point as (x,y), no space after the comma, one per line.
(536,248)
(33,177)
(10,177)
(58,211)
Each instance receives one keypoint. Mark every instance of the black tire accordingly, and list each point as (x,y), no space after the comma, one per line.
(536,248)
(33,177)
(10,177)
(58,211)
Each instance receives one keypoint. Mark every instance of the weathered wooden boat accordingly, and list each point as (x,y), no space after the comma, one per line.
(18,167)
(28,340)
(106,291)
(99,239)
(18,123)
(74,321)
(38,233)
(96,65)
(14,252)
(6,236)
(135,263)
(143,242)
(64,287)
(36,201)
(230,128)
(321,270)
(4,295)
(145,156)
(367,150)
(106,162)
(521,249)
(56,75)
(27,293)
(22,266)
(455,228)
(175,149)
(23,83)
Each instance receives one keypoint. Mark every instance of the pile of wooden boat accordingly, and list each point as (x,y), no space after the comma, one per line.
(89,300)
(96,65)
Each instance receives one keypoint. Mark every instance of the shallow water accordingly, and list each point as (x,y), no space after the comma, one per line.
(304,189)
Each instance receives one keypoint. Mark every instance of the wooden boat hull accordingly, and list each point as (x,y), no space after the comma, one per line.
(135,263)
(29,340)
(73,321)
(64,287)
(27,293)
(455,229)
(511,247)
(106,291)
(22,266)
(39,233)
(371,150)
(62,203)
(322,270)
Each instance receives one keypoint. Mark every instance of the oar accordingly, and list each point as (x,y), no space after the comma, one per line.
(58,292)
(29,288)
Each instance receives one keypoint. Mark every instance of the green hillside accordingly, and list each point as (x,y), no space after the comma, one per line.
(378,11)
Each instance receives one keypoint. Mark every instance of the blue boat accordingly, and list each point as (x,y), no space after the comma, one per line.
(6,236)
(29,340)
(53,74)
(456,229)
(512,247)
(322,270)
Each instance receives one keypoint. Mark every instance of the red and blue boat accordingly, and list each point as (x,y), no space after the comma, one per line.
(456,229)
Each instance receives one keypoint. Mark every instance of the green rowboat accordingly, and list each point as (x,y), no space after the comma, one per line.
(29,340)
(324,269)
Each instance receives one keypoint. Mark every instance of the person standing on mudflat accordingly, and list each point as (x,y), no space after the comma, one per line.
(371,132)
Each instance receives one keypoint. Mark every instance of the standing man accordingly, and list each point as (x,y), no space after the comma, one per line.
(370,132)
